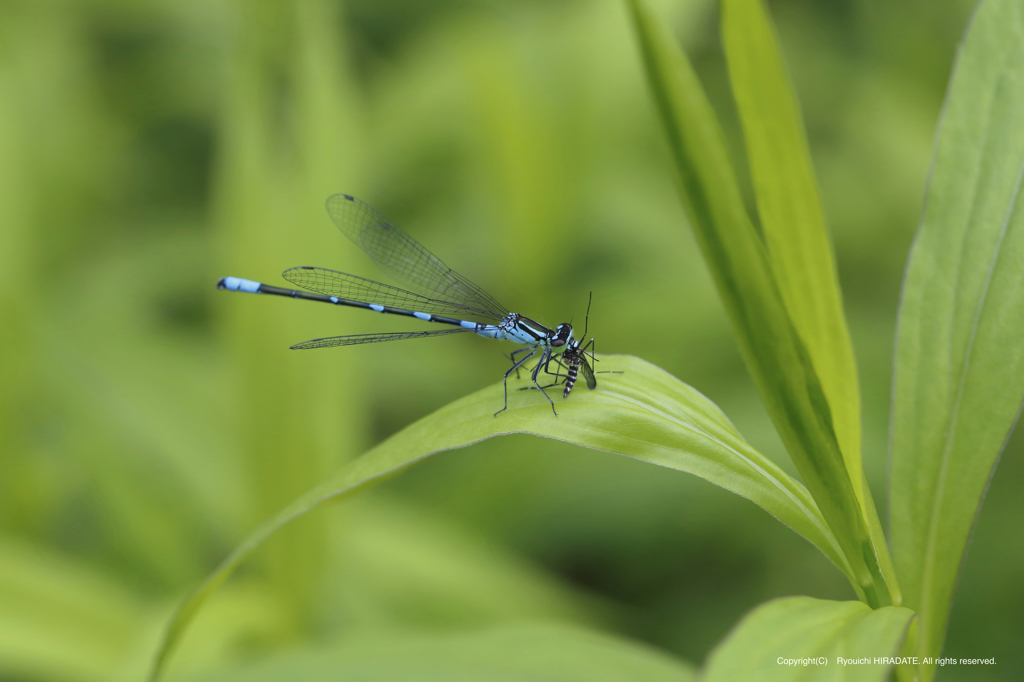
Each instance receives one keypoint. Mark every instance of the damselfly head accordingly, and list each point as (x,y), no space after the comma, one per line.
(563,335)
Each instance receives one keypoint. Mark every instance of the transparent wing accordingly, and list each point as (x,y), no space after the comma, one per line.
(404,257)
(588,374)
(356,339)
(344,285)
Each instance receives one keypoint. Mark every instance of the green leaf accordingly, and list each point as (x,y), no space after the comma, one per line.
(802,628)
(643,413)
(771,347)
(790,210)
(959,370)
(519,653)
(793,225)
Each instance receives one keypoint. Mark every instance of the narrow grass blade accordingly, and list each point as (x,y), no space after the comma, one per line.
(643,413)
(800,638)
(792,220)
(793,225)
(774,353)
(959,368)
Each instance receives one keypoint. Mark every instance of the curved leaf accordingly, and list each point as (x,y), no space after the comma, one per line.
(773,351)
(792,219)
(797,629)
(519,653)
(643,413)
(793,224)
(959,370)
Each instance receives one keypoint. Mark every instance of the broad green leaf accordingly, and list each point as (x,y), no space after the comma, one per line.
(800,638)
(793,225)
(519,653)
(959,370)
(643,413)
(773,351)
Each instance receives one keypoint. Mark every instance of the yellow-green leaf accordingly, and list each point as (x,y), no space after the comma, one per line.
(800,638)
(643,413)
(793,225)
(774,353)
(959,371)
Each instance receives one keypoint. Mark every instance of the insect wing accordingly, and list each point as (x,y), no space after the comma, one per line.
(353,288)
(405,258)
(356,339)
(588,373)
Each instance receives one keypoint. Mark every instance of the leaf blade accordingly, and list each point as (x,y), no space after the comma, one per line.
(792,219)
(801,627)
(644,413)
(794,228)
(959,367)
(775,355)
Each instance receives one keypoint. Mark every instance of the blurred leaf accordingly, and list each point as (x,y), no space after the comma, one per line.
(793,225)
(801,627)
(404,566)
(146,411)
(774,353)
(959,371)
(51,158)
(60,621)
(248,615)
(644,413)
(288,138)
(518,653)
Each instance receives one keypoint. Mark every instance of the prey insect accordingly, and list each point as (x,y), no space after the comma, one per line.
(444,296)
(572,359)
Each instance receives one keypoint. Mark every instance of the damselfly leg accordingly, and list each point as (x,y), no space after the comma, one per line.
(512,356)
(559,377)
(544,360)
(515,367)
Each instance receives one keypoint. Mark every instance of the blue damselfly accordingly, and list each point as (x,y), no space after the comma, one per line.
(444,297)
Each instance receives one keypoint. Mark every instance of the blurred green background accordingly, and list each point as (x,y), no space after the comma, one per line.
(149,422)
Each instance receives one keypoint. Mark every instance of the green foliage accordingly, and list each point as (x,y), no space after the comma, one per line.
(148,424)
(801,627)
(959,376)
(953,409)
(775,353)
(793,225)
